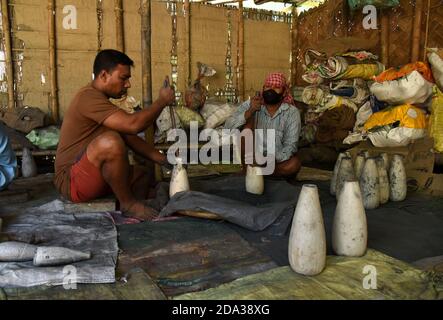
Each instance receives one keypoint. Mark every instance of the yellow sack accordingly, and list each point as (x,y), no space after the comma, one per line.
(364,71)
(408,115)
(437,120)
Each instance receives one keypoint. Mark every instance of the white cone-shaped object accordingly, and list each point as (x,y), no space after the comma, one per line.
(16,251)
(345,173)
(307,240)
(335,173)
(397,179)
(359,164)
(383,180)
(349,228)
(29,167)
(255,183)
(179,179)
(386,162)
(369,185)
(55,256)
(365,153)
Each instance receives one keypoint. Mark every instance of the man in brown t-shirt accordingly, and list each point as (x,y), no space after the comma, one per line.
(92,158)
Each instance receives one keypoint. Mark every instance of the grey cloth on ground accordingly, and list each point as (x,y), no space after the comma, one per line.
(227,197)
(48,225)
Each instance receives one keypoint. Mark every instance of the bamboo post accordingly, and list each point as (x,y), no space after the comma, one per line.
(385,37)
(416,31)
(146,30)
(294,38)
(53,62)
(119,23)
(241,52)
(8,53)
(188,66)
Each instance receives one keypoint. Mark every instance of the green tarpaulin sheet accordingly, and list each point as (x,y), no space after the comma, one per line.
(343,278)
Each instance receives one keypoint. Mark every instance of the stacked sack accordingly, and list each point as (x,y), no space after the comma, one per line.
(398,115)
(338,90)
(435,58)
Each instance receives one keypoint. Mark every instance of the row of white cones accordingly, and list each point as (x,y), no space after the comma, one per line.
(307,240)
(380,180)
(41,256)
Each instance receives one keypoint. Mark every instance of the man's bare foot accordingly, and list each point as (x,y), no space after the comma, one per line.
(139,211)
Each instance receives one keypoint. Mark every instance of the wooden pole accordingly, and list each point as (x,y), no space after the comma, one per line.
(241,52)
(188,63)
(8,53)
(53,62)
(294,38)
(416,31)
(385,37)
(119,22)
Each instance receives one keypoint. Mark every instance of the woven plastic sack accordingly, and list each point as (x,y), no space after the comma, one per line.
(216,115)
(187,116)
(45,139)
(363,71)
(437,120)
(407,115)
(396,73)
(412,89)
(437,68)
(358,4)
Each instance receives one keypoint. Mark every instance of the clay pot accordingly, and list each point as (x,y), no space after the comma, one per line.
(349,229)
(255,183)
(345,173)
(29,167)
(359,164)
(369,185)
(397,179)
(335,173)
(16,251)
(383,180)
(179,179)
(55,256)
(307,240)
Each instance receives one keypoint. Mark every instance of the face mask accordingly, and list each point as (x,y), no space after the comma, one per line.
(271,97)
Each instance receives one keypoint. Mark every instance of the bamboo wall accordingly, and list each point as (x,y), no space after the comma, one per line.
(97,29)
(320,27)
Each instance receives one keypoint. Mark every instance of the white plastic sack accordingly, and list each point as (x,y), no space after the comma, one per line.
(397,137)
(437,68)
(164,124)
(411,89)
(363,114)
(216,115)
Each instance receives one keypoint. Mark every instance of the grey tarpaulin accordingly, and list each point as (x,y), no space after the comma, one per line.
(227,197)
(48,225)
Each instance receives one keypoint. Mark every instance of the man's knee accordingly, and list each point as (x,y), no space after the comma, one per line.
(108,144)
(289,167)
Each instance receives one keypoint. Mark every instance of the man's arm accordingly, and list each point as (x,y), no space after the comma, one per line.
(291,137)
(141,147)
(244,114)
(134,123)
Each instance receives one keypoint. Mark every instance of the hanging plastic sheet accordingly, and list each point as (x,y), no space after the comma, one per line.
(358,4)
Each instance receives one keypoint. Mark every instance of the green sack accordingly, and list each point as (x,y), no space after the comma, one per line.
(187,115)
(46,138)
(358,4)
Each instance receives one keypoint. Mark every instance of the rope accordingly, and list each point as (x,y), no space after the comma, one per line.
(427,30)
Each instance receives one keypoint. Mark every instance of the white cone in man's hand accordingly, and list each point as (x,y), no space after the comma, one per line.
(255,182)
(179,179)
(369,185)
(349,228)
(16,251)
(397,179)
(55,256)
(307,240)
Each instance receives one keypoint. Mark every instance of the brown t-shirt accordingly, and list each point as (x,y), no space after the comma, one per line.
(82,123)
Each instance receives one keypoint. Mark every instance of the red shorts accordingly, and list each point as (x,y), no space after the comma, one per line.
(87,182)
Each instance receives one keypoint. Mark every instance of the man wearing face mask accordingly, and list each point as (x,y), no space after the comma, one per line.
(273,109)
